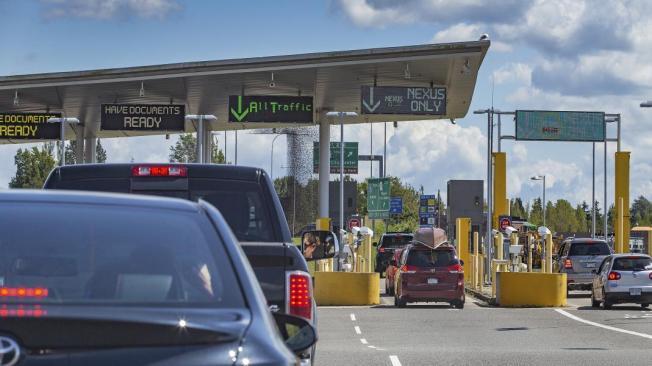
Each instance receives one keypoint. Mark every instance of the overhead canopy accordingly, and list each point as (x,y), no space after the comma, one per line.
(334,79)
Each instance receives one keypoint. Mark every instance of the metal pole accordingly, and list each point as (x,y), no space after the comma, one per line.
(385,151)
(200,140)
(225,151)
(324,166)
(544,200)
(499,133)
(604,204)
(236,147)
(618,117)
(62,148)
(593,198)
(489,180)
(341,176)
(371,151)
(271,164)
(294,203)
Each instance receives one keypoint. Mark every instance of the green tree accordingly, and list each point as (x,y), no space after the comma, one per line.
(561,217)
(641,212)
(185,150)
(71,155)
(536,213)
(409,219)
(33,166)
(516,208)
(583,223)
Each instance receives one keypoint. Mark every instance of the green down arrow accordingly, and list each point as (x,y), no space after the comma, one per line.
(240,114)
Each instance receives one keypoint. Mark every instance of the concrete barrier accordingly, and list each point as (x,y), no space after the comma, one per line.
(347,288)
(523,289)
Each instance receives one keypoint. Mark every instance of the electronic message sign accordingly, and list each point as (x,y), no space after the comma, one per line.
(143,117)
(270,108)
(403,100)
(29,126)
(560,126)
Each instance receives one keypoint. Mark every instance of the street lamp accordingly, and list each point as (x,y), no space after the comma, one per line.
(271,163)
(200,118)
(647,104)
(63,121)
(341,115)
(542,178)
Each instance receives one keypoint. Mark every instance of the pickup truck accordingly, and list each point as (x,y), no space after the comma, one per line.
(244,195)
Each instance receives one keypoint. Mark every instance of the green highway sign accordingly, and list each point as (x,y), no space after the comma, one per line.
(378,198)
(270,108)
(560,126)
(350,157)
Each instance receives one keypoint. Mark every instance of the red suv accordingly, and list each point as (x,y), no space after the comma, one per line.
(429,275)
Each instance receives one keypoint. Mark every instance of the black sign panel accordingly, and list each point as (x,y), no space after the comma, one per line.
(403,100)
(143,117)
(29,126)
(270,108)
(504,222)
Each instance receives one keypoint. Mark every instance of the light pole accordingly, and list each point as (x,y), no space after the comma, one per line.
(490,130)
(543,205)
(63,121)
(341,115)
(200,118)
(271,164)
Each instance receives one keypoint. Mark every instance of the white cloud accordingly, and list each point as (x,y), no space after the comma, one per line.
(513,72)
(107,9)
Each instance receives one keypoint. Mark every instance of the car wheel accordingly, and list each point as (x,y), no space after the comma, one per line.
(645,306)
(594,303)
(395,300)
(401,303)
(605,304)
(457,304)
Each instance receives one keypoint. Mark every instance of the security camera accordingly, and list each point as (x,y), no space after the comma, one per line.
(484,36)
(509,230)
(272,84)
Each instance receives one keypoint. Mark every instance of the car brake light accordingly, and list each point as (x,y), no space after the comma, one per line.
(299,299)
(406,268)
(455,268)
(159,171)
(613,276)
(37,292)
(568,264)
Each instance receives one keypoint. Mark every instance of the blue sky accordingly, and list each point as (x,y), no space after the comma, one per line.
(565,55)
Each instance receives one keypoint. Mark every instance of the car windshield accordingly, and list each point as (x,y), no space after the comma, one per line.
(112,255)
(632,264)
(429,258)
(591,248)
(395,241)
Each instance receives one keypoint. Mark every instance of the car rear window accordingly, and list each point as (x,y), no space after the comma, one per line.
(113,255)
(632,264)
(395,241)
(591,248)
(431,258)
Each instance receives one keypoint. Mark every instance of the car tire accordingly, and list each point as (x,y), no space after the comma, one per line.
(605,304)
(401,303)
(457,304)
(594,303)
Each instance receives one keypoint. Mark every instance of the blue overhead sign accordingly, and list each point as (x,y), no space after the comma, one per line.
(396,205)
(560,126)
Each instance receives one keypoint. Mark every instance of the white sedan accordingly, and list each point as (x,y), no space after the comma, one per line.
(623,278)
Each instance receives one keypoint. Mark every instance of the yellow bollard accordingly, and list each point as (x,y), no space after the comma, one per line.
(621,226)
(548,253)
(498,244)
(463,226)
(475,259)
(481,273)
(620,245)
(530,241)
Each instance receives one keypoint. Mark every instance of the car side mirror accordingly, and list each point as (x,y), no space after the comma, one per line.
(298,334)
(319,244)
(461,262)
(374,244)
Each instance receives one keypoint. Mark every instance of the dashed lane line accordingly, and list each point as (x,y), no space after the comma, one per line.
(363,341)
(603,326)
(352,317)
(394,360)
(357,330)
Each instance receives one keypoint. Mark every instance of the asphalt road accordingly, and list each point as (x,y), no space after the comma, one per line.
(434,334)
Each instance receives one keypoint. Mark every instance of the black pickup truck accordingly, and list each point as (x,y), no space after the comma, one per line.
(246,198)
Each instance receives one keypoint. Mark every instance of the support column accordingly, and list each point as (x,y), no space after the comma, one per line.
(324,166)
(208,144)
(500,187)
(621,229)
(463,227)
(79,140)
(90,145)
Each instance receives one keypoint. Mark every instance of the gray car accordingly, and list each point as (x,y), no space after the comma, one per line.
(131,280)
(623,278)
(578,257)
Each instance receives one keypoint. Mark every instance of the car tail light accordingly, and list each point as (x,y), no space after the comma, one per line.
(613,276)
(455,268)
(406,268)
(159,171)
(299,299)
(37,292)
(568,264)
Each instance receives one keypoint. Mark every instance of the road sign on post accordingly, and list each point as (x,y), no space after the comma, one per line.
(560,126)
(353,222)
(427,210)
(396,205)
(403,100)
(504,222)
(350,157)
(378,198)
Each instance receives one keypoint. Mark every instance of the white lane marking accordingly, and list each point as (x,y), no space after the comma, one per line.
(379,349)
(394,360)
(357,330)
(364,341)
(371,346)
(352,317)
(608,327)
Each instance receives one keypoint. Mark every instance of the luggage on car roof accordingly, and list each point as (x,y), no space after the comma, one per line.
(430,237)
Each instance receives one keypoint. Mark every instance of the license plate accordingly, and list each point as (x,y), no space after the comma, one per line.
(433,281)
(635,291)
(589,265)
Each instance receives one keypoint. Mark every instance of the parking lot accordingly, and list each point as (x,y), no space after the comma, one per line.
(435,334)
